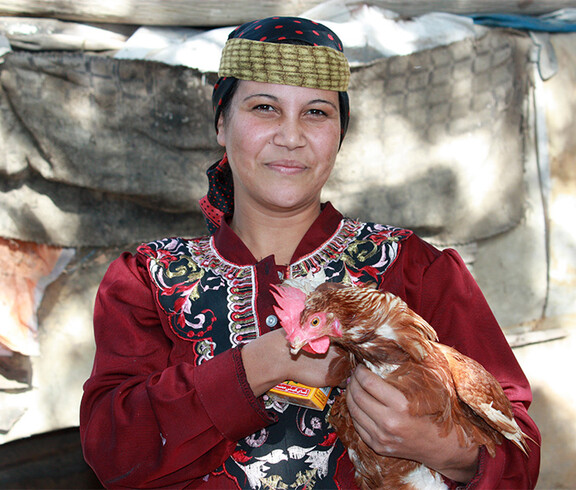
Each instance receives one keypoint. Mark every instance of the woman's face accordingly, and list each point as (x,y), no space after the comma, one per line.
(281,142)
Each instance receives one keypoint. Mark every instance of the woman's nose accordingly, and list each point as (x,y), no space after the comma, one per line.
(290,133)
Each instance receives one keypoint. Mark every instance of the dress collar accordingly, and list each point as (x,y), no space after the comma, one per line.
(232,248)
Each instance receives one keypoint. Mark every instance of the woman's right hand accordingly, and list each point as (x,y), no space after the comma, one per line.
(268,361)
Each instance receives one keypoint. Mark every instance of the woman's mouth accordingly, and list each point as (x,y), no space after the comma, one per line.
(288,167)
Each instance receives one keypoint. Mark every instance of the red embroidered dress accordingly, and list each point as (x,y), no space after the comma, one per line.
(168,403)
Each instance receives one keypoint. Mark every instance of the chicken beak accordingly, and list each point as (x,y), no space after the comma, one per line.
(296,345)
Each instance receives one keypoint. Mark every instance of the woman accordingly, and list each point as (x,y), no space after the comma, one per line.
(187,341)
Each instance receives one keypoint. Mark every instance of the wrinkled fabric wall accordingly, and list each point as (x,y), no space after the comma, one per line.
(103,152)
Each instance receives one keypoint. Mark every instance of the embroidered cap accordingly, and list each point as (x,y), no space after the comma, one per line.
(287,64)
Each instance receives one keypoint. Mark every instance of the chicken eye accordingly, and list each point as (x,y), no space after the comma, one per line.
(315,322)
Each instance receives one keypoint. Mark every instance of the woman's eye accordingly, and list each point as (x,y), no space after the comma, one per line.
(317,112)
(264,108)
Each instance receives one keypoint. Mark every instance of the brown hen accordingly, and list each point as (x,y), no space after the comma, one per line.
(379,330)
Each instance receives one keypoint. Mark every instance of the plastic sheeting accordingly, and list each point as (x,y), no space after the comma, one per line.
(563,20)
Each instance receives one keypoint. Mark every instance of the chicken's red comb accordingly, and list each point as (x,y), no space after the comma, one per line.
(291,302)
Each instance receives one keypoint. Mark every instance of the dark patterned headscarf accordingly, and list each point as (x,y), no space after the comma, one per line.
(284,50)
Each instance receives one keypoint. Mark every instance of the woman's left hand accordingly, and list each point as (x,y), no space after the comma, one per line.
(382,419)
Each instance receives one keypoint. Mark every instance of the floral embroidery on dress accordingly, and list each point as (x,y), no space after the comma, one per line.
(211,303)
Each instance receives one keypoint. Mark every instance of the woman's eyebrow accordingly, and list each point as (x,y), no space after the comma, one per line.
(248,97)
(322,101)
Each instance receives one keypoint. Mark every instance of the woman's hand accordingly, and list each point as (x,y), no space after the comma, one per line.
(268,361)
(330,369)
(380,414)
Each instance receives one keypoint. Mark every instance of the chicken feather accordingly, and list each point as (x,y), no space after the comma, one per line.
(379,330)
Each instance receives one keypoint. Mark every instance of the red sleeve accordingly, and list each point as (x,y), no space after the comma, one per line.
(439,287)
(146,421)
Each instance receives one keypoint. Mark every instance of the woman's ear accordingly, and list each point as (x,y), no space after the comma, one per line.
(221,131)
